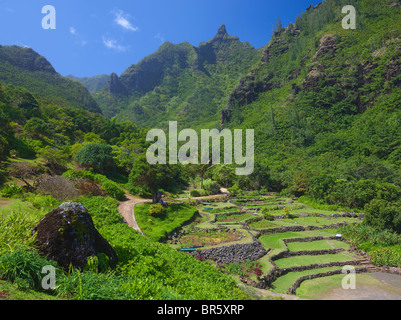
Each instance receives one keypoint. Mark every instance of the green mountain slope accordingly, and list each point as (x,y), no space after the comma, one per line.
(180,82)
(325,104)
(25,68)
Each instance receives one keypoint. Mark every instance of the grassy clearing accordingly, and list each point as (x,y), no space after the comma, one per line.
(15,205)
(157,227)
(11,292)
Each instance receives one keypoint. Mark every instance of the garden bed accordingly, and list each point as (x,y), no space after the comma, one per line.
(209,238)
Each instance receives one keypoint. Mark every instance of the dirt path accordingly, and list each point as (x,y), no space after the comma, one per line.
(126,210)
(5,202)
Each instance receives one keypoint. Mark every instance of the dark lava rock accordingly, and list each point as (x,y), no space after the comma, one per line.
(67,235)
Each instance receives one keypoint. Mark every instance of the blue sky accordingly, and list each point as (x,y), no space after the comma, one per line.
(101,37)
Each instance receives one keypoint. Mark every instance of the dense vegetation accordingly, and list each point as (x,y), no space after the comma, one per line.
(325,106)
(146,269)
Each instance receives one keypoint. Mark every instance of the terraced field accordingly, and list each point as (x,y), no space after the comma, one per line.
(299,242)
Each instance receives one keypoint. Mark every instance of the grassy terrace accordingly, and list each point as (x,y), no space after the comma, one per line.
(304,221)
(317,245)
(274,241)
(234,213)
(234,218)
(311,260)
(284,283)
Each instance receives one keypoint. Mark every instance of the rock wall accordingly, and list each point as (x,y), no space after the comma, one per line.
(275,273)
(235,253)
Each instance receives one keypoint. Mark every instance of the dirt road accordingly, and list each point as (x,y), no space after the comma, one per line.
(126,210)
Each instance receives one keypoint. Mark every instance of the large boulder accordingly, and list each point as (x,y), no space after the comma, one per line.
(67,235)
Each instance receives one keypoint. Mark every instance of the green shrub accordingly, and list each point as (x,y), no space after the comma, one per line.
(156,210)
(109,186)
(389,256)
(24,268)
(253,193)
(383,215)
(211,187)
(41,202)
(97,156)
(195,193)
(112,189)
(11,190)
(235,190)
(267,214)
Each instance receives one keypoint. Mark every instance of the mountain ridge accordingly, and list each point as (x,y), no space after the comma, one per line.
(26,68)
(168,84)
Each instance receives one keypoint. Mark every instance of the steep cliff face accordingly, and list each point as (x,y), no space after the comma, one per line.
(323,98)
(114,85)
(180,82)
(317,57)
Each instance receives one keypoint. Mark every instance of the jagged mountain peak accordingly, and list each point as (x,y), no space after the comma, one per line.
(222,30)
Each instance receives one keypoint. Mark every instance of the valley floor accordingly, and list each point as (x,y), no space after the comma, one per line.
(300,242)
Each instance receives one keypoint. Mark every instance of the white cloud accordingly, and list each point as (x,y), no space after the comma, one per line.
(79,39)
(122,20)
(160,37)
(18,43)
(113,44)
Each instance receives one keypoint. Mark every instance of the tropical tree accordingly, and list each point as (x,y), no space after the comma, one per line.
(153,177)
(96,156)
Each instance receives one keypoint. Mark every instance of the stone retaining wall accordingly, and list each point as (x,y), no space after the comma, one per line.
(391,270)
(275,273)
(234,253)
